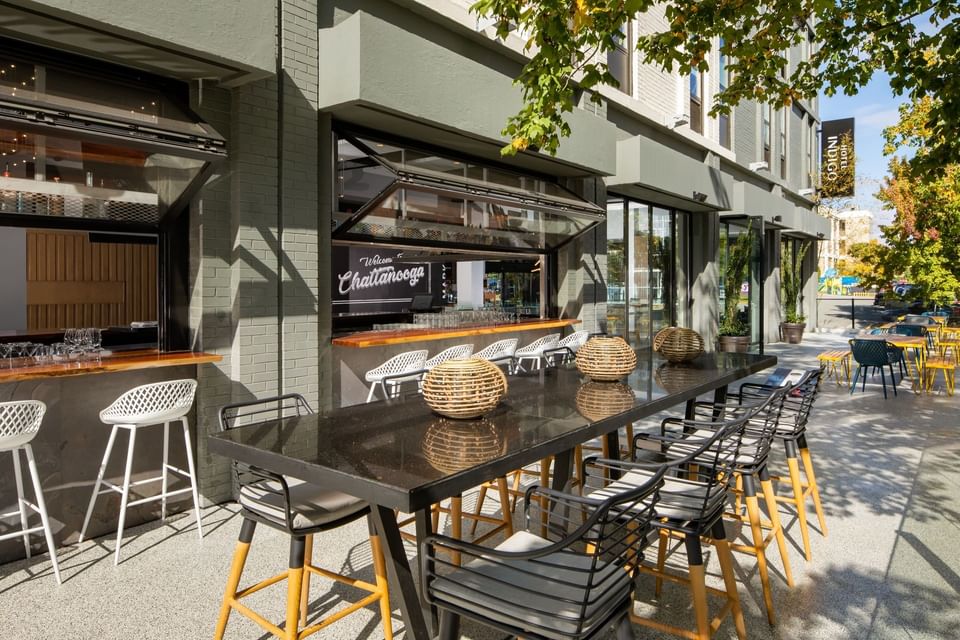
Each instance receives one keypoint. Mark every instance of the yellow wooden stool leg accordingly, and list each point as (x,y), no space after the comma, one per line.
(661,561)
(698,586)
(814,490)
(730,582)
(380,572)
(236,570)
(505,505)
(771,499)
(305,588)
(799,502)
(291,629)
(753,512)
(481,497)
(456,524)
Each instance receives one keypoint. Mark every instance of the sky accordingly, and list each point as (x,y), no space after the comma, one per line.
(873,108)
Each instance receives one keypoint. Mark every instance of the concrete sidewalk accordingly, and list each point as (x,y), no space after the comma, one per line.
(889,473)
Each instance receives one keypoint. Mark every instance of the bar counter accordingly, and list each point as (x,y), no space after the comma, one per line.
(357,353)
(408,336)
(72,438)
(19,369)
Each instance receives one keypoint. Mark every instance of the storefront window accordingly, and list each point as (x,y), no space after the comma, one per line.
(646,267)
(748,295)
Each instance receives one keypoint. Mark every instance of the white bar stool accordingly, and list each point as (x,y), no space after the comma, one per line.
(143,406)
(453,353)
(534,350)
(500,351)
(19,423)
(395,371)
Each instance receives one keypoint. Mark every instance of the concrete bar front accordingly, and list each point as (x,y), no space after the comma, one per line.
(71,441)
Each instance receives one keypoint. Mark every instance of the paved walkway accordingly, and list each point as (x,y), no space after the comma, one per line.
(889,473)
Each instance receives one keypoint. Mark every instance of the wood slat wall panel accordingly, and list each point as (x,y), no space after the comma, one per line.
(67,261)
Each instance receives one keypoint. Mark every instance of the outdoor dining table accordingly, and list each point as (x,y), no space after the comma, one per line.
(380,452)
(918,344)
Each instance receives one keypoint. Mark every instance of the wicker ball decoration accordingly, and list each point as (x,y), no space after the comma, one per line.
(606,359)
(599,400)
(464,389)
(454,445)
(676,377)
(678,344)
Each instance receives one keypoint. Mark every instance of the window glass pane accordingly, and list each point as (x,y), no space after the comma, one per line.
(618,60)
(681,286)
(359,179)
(418,215)
(46,175)
(639,303)
(661,270)
(616,270)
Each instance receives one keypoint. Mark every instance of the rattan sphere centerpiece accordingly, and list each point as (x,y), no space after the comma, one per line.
(464,389)
(454,445)
(599,400)
(678,344)
(606,359)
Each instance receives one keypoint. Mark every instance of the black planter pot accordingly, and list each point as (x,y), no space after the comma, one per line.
(792,332)
(734,344)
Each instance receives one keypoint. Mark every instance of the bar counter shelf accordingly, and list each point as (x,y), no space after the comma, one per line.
(408,336)
(20,369)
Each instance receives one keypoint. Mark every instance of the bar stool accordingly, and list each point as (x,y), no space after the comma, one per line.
(300,509)
(453,353)
(147,405)
(534,351)
(568,347)
(19,423)
(403,367)
(499,352)
(792,430)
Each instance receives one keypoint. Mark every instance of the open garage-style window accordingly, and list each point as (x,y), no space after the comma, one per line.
(94,150)
(397,195)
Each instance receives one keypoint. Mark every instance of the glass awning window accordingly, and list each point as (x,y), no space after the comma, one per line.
(93,148)
(397,195)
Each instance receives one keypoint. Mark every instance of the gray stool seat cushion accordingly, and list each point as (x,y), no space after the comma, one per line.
(680,499)
(311,505)
(544,595)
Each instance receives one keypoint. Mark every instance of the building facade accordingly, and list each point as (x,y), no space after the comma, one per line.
(847,228)
(287,85)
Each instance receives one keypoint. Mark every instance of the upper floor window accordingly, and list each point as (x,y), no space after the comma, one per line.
(696,101)
(618,60)
(783,143)
(724,120)
(765,133)
(811,153)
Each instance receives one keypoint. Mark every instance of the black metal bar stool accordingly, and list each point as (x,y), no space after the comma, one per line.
(302,510)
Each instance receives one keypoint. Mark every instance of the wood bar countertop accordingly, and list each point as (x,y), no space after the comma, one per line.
(405,336)
(17,369)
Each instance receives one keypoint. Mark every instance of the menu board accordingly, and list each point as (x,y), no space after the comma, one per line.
(378,280)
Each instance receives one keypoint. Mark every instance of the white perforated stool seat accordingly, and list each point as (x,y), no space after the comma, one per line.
(534,350)
(158,403)
(499,351)
(19,423)
(453,353)
(403,367)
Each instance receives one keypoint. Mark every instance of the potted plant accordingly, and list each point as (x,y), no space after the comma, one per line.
(734,333)
(791,262)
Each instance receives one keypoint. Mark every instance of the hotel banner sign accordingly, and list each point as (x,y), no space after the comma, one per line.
(837,158)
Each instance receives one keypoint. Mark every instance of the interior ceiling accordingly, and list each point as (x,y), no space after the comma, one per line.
(371,118)
(39,28)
